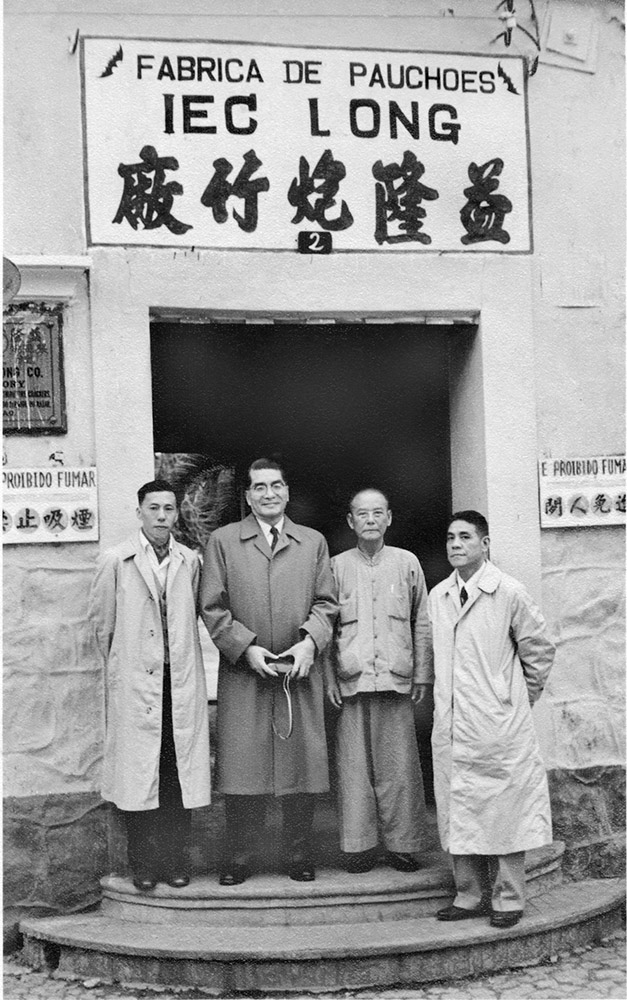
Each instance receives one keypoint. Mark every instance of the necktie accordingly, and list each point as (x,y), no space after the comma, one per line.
(274,531)
(463,596)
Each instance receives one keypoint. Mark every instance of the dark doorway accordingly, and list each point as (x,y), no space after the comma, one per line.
(340,405)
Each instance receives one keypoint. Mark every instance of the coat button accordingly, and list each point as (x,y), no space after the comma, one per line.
(152,631)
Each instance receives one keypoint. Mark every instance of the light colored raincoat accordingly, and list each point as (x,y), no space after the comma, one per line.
(492,659)
(127,621)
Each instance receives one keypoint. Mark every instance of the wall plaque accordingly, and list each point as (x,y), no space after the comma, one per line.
(582,492)
(32,369)
(49,505)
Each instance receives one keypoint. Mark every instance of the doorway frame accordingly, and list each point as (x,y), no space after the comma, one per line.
(492,385)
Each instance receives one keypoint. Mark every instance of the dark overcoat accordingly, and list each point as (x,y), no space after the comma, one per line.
(251,595)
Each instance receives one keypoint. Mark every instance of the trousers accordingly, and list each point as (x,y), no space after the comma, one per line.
(245,818)
(495,878)
(379,775)
(158,840)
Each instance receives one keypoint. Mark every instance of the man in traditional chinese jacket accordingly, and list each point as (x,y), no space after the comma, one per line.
(379,664)
(492,659)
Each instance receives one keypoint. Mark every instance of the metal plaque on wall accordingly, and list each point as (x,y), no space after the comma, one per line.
(32,369)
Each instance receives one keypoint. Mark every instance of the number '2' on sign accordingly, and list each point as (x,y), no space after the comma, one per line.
(314,242)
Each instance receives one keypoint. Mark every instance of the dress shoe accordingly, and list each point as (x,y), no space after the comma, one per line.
(358,862)
(178,881)
(301,871)
(402,862)
(234,875)
(144,882)
(505,918)
(460,913)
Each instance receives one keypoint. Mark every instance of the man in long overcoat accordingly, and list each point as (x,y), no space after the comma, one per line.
(492,660)
(144,606)
(267,593)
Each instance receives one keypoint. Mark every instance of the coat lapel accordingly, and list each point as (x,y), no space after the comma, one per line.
(141,561)
(487,584)
(176,561)
(250,529)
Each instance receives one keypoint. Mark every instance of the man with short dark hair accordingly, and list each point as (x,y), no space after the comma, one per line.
(492,660)
(268,601)
(156,755)
(378,665)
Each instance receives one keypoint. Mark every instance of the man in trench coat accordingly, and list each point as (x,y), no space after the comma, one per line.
(156,755)
(267,593)
(492,660)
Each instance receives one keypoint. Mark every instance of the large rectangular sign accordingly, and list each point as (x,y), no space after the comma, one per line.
(582,492)
(57,504)
(242,146)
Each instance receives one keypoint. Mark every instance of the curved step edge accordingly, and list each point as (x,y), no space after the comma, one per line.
(289,959)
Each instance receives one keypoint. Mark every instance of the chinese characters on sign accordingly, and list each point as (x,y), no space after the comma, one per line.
(32,369)
(582,492)
(241,146)
(49,505)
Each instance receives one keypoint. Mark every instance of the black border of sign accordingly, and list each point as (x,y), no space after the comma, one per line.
(281,45)
(57,382)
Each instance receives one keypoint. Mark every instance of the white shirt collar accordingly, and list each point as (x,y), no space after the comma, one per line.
(265,527)
(472,583)
(160,569)
(148,547)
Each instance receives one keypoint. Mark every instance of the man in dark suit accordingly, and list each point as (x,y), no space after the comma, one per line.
(268,595)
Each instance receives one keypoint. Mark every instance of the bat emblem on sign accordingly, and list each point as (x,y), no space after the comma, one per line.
(113,61)
(503,75)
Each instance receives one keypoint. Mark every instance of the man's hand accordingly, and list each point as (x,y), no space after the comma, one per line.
(333,693)
(304,653)
(256,657)
(419,692)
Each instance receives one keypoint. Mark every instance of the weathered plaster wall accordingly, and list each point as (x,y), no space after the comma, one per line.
(578,159)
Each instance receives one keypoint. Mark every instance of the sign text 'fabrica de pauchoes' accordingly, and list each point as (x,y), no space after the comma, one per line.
(241,146)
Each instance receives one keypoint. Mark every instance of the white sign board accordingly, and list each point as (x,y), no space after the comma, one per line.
(240,146)
(582,492)
(49,505)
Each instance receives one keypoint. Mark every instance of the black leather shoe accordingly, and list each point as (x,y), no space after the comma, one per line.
(402,862)
(178,881)
(144,882)
(358,862)
(302,871)
(234,875)
(505,918)
(459,913)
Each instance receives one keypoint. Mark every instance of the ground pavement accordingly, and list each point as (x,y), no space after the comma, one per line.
(596,972)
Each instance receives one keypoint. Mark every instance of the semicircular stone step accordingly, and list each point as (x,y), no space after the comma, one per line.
(296,959)
(334,898)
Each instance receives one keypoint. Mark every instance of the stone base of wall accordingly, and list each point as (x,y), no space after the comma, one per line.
(588,807)
(55,851)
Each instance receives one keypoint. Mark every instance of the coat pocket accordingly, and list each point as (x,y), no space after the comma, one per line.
(348,664)
(401,646)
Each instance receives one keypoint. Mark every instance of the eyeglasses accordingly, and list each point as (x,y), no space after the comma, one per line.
(258,489)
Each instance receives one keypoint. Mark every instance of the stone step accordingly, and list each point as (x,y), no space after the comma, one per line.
(293,959)
(334,898)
